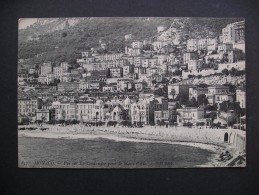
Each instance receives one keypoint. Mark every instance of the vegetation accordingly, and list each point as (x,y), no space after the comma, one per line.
(56,40)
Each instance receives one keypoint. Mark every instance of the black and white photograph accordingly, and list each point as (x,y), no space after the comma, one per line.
(131,92)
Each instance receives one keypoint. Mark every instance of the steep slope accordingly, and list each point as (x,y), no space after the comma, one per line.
(63,39)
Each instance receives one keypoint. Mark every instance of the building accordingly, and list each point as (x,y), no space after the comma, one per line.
(45,68)
(189,115)
(241,97)
(234,32)
(228,34)
(218,94)
(195,91)
(28,106)
(235,55)
(45,115)
(105,57)
(239,31)
(161,117)
(68,86)
(161,59)
(116,72)
(212,44)
(58,72)
(192,45)
(124,84)
(140,85)
(137,44)
(157,45)
(202,44)
(195,64)
(224,48)
(83,85)
(109,88)
(127,69)
(64,66)
(178,89)
(189,56)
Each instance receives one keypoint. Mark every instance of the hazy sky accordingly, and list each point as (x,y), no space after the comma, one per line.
(24,22)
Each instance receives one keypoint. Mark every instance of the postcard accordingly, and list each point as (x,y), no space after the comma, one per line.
(131,92)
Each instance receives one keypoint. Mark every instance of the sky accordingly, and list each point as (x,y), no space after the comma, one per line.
(24,22)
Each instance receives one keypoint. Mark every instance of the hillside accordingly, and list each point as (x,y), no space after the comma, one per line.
(63,39)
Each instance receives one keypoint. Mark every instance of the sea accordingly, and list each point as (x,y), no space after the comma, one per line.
(106,153)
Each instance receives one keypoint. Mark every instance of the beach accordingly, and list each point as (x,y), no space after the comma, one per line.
(219,154)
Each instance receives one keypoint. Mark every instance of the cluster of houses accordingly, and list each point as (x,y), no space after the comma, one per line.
(120,86)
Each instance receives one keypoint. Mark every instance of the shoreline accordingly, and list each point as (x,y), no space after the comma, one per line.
(120,135)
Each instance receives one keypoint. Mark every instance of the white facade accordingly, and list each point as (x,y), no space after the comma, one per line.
(241,98)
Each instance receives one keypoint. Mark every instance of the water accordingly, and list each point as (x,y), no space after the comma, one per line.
(104,153)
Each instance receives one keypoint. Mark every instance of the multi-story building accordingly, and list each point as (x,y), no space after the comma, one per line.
(28,106)
(137,44)
(139,112)
(161,116)
(83,85)
(157,45)
(228,34)
(161,59)
(202,44)
(241,97)
(153,62)
(178,89)
(192,45)
(224,48)
(189,114)
(116,72)
(127,69)
(45,68)
(239,31)
(124,84)
(212,44)
(140,85)
(234,32)
(195,91)
(145,62)
(58,72)
(121,62)
(109,88)
(218,94)
(189,56)
(64,66)
(105,57)
(195,64)
(68,86)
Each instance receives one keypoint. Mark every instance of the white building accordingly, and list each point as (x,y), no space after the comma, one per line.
(64,66)
(195,64)
(241,97)
(45,68)
(218,94)
(190,114)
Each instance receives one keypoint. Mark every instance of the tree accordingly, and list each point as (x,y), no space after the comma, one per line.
(233,72)
(182,98)
(191,103)
(225,72)
(232,88)
(202,100)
